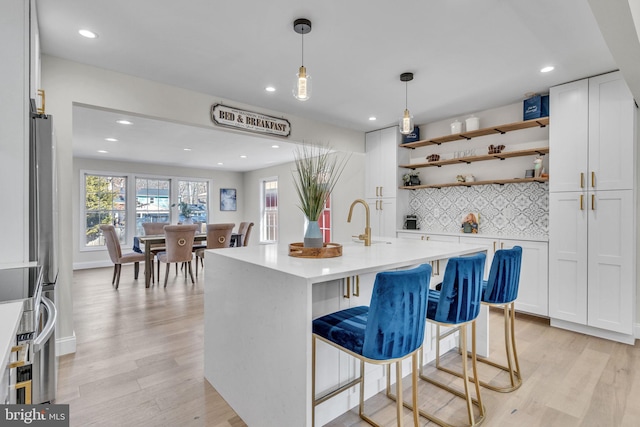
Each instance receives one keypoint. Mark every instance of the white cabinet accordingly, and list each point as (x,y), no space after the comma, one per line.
(591,259)
(592,137)
(533,289)
(591,207)
(381,172)
(383,217)
(381,180)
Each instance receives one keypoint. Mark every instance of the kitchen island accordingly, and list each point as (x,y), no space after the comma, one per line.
(259,305)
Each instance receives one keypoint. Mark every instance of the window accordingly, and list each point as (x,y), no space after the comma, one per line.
(196,195)
(269,208)
(325,221)
(152,202)
(105,203)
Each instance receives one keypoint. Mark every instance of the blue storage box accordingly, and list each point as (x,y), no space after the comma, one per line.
(535,107)
(412,137)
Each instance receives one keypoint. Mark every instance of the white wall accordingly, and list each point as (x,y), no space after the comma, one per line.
(290,217)
(69,82)
(83,258)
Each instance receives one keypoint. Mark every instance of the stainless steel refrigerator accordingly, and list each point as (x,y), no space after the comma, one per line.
(43,245)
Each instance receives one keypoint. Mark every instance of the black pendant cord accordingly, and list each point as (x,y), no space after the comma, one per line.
(302,35)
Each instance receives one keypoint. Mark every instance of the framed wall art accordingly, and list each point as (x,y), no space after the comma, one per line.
(228,199)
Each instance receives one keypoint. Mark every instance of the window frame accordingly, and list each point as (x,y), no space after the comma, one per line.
(130,210)
(263,225)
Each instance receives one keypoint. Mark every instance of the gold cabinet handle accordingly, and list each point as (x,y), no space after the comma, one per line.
(381,191)
(501,245)
(348,294)
(582,202)
(593,179)
(26,385)
(22,358)
(593,202)
(494,246)
(421,237)
(377,195)
(41,110)
(581,179)
(356,291)
(381,204)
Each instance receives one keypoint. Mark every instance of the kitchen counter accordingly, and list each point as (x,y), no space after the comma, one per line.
(259,304)
(10,316)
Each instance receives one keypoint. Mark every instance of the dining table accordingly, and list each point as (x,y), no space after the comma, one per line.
(154,239)
(150,240)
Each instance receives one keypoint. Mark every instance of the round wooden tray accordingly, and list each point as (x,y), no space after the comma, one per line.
(328,250)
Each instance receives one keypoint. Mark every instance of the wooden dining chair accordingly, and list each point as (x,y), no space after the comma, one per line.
(218,236)
(116,255)
(179,247)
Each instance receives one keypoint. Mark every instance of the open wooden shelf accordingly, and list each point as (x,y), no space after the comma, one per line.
(469,184)
(471,159)
(541,122)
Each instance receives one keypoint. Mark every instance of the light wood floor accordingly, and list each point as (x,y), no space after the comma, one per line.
(139,362)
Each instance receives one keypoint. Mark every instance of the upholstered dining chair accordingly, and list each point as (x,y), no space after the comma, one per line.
(150,229)
(457,305)
(116,255)
(242,230)
(388,331)
(179,247)
(218,236)
(501,290)
(247,234)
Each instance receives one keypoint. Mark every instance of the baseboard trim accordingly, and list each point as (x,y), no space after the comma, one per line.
(596,332)
(66,345)
(91,264)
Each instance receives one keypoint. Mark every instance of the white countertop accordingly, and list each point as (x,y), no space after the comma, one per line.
(384,254)
(527,237)
(10,316)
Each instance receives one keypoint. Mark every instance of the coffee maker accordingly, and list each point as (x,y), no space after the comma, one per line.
(411,222)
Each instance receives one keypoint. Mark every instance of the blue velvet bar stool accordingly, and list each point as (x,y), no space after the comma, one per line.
(388,331)
(501,290)
(457,304)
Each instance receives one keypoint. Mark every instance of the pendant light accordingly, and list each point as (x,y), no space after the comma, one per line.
(406,121)
(302,85)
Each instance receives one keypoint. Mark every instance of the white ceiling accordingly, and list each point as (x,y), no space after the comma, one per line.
(467,56)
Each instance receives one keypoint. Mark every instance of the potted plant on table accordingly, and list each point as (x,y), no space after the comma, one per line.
(316,174)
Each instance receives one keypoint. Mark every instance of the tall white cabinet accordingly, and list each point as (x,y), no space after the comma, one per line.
(592,227)
(381,180)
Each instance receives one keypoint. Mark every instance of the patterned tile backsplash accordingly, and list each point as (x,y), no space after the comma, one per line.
(514,210)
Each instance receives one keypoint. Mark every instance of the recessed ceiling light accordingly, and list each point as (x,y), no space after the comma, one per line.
(111,139)
(187,149)
(372,118)
(220,163)
(87,33)
(270,89)
(243,157)
(547,69)
(275,146)
(124,122)
(103,151)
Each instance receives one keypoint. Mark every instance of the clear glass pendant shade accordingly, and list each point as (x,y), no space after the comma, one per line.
(302,85)
(406,123)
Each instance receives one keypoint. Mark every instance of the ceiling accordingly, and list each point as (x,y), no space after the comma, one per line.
(466,55)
